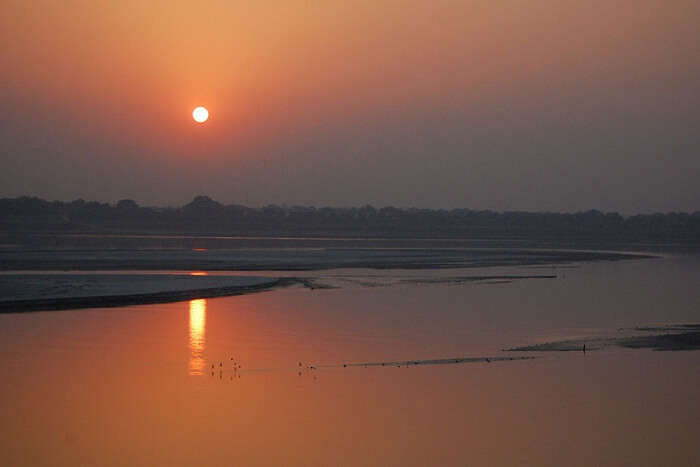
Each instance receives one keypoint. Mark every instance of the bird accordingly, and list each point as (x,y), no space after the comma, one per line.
(488,361)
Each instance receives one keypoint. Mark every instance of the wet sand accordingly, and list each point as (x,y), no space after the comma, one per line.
(43,292)
(295,259)
(35,292)
(674,337)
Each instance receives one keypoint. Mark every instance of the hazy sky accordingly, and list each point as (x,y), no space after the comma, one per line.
(500,104)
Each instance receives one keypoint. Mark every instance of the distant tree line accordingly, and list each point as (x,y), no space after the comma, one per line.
(204,215)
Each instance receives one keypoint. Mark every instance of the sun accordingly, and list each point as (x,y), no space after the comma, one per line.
(200,114)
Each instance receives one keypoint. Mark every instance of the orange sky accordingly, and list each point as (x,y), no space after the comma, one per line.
(306,93)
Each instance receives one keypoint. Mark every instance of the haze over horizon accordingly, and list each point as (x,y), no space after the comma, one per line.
(538,106)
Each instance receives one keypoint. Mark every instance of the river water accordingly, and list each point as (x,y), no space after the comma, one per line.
(219,382)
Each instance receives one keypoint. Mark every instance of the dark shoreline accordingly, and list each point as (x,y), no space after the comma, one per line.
(110,301)
(103,299)
(204,216)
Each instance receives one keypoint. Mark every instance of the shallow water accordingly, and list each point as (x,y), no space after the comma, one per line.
(135,386)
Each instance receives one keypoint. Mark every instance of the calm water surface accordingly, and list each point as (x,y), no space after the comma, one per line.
(135,385)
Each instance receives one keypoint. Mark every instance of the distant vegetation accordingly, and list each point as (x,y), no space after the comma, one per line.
(205,216)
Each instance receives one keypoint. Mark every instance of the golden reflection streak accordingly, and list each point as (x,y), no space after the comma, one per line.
(198,321)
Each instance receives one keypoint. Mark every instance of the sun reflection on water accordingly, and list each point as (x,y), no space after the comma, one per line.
(198,321)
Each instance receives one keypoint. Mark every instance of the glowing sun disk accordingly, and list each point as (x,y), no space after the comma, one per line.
(200,114)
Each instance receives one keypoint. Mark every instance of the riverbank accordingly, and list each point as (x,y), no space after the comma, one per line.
(44,292)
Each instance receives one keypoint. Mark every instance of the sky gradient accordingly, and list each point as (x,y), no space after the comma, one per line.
(535,105)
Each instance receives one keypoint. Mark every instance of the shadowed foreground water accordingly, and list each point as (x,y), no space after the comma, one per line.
(135,385)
